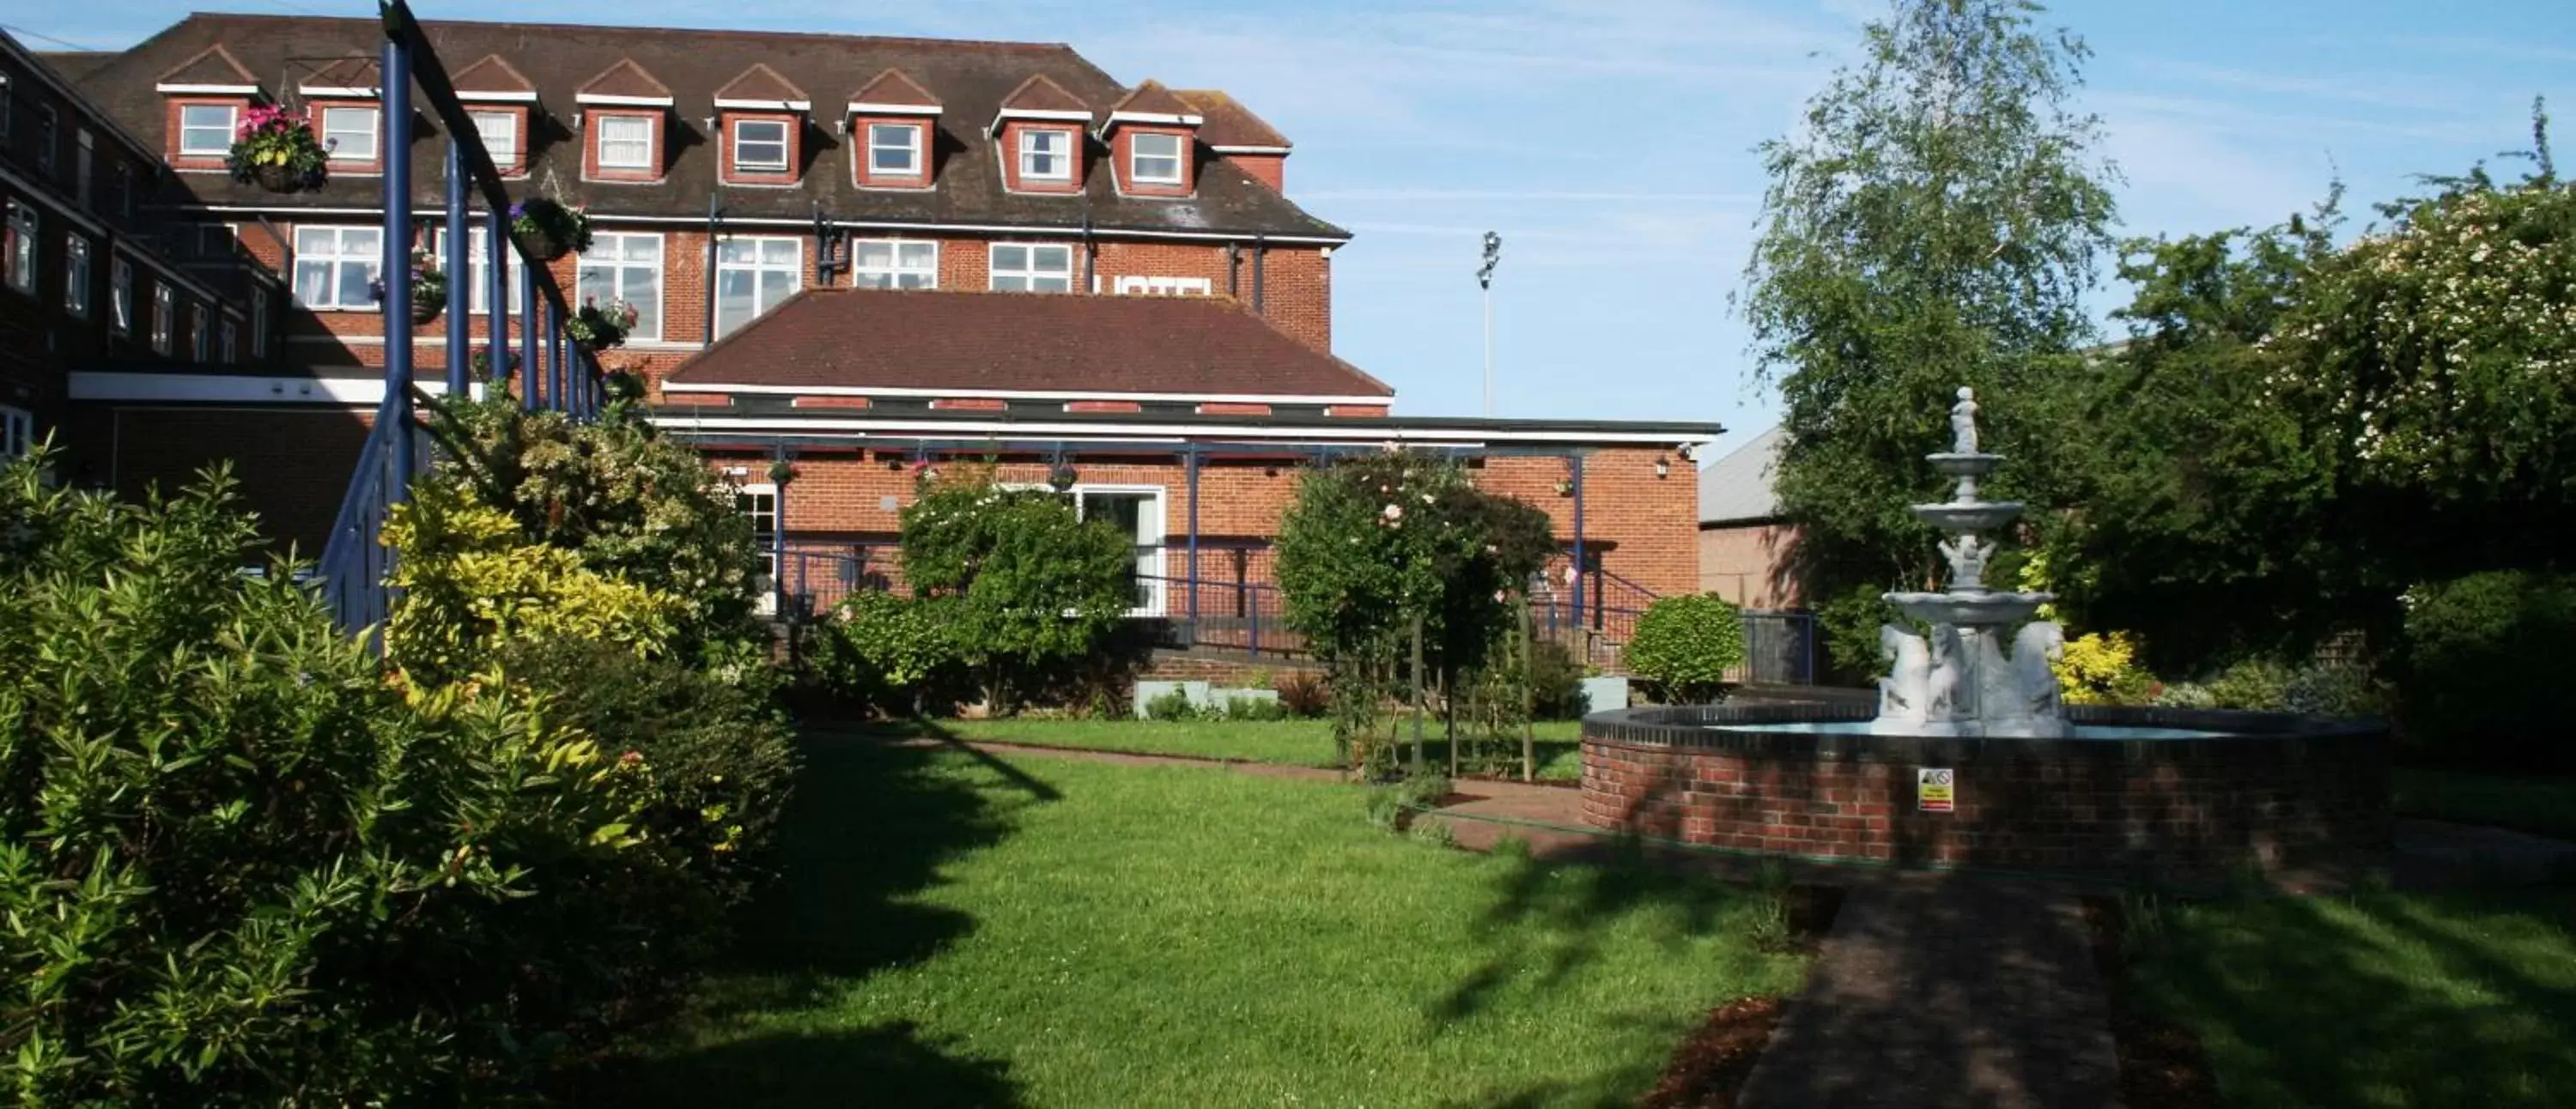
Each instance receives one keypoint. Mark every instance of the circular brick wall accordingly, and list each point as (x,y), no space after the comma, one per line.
(2277,788)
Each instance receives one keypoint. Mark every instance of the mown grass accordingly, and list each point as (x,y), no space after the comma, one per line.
(955,929)
(2384,1000)
(2541,806)
(1276,742)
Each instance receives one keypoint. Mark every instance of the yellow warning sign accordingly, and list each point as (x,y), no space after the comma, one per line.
(1933,789)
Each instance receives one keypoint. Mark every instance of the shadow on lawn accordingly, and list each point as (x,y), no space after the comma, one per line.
(871,826)
(1553,916)
(2433,1001)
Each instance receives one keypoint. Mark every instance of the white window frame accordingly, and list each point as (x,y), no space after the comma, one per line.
(78,275)
(24,229)
(915,159)
(258,322)
(223,136)
(652,142)
(506,158)
(201,338)
(785,142)
(478,268)
(1029,274)
(17,425)
(228,342)
(1136,158)
(1152,559)
(617,271)
(331,133)
(163,307)
(120,295)
(892,274)
(1029,153)
(793,267)
(340,254)
(765,600)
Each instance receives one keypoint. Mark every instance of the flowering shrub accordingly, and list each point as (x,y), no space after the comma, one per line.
(600,326)
(277,149)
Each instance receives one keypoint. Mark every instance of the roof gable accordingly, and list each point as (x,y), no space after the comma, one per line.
(759,87)
(1151,98)
(894,89)
(1040,98)
(1229,123)
(493,78)
(211,68)
(624,83)
(925,341)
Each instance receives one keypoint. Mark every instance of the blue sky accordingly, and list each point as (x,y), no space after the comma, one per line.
(1610,142)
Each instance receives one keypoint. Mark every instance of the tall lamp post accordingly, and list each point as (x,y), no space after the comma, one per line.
(1485,281)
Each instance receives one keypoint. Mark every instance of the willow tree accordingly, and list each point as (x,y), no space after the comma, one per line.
(1934,223)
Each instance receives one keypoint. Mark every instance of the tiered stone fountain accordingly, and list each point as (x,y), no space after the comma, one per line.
(1957,680)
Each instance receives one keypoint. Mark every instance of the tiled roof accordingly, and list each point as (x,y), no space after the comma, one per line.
(893,87)
(1229,123)
(1153,99)
(74,64)
(969,78)
(761,83)
(344,73)
(212,65)
(1040,94)
(1737,488)
(860,339)
(492,73)
(624,79)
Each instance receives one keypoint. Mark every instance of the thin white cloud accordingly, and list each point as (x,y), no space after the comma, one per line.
(1515,196)
(2411,92)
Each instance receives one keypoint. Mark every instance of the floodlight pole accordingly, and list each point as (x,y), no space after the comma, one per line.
(1485,282)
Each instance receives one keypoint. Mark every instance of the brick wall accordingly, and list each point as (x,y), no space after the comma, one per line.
(290,466)
(1649,523)
(1747,564)
(2163,806)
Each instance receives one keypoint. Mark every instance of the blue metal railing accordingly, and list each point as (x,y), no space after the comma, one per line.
(354,561)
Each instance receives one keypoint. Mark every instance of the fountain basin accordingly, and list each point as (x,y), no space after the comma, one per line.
(1968,517)
(1970,609)
(1954,464)
(2134,792)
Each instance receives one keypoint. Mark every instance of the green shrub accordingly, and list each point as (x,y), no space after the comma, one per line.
(1849,624)
(1172,704)
(1686,644)
(2257,684)
(882,651)
(1254,708)
(2484,669)
(239,867)
(1024,584)
(1556,682)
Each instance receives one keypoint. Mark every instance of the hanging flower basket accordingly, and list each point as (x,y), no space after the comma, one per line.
(428,289)
(1564,487)
(547,229)
(276,150)
(1061,477)
(598,327)
(485,366)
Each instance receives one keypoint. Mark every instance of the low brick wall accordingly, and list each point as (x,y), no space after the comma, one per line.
(2281,788)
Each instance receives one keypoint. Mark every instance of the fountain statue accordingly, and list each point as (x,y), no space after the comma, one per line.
(1959,680)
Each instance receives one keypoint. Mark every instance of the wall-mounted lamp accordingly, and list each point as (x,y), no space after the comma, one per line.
(1663,467)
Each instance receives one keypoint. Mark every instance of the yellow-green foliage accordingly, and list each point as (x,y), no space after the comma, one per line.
(2103,669)
(470,582)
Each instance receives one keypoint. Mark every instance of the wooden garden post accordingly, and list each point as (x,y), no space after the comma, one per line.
(1417,695)
(1529,711)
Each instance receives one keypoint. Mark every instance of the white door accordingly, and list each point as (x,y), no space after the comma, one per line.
(1138,511)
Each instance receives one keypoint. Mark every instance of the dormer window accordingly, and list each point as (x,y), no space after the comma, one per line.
(206,130)
(626,143)
(1046,154)
(1155,158)
(499,131)
(349,133)
(894,149)
(760,145)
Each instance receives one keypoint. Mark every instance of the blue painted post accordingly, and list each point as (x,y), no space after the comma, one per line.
(1574,462)
(528,313)
(496,247)
(558,339)
(460,285)
(397,270)
(1190,457)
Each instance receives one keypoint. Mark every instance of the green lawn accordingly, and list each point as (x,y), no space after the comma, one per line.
(1279,742)
(2543,806)
(2384,1000)
(957,930)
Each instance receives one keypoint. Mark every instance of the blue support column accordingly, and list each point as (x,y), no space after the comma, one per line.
(397,270)
(496,247)
(460,285)
(557,340)
(528,314)
(1190,459)
(1575,463)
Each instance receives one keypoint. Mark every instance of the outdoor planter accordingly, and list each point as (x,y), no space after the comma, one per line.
(276,150)
(548,230)
(597,327)
(428,289)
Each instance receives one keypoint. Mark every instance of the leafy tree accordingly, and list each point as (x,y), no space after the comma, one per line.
(1020,580)
(1933,224)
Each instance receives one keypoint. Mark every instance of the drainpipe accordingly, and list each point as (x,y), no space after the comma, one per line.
(1090,259)
(1260,254)
(715,220)
(1233,260)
